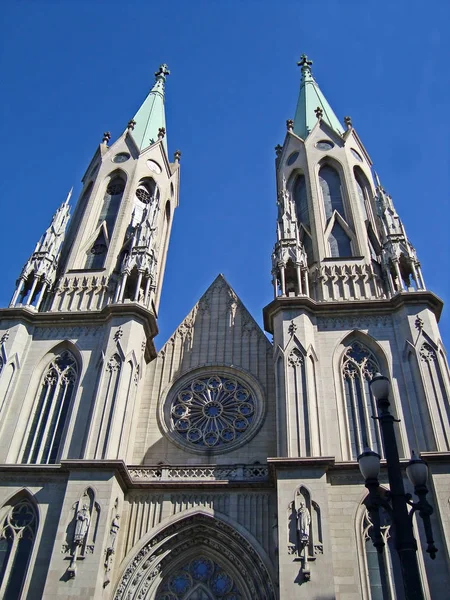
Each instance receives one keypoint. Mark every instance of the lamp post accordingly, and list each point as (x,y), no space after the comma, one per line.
(396,501)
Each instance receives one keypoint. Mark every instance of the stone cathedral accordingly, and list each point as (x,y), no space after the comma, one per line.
(223,466)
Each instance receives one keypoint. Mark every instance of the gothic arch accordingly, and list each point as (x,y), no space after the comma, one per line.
(144,573)
(19,525)
(34,386)
(351,437)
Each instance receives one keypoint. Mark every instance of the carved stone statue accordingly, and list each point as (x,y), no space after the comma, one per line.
(303,522)
(114,531)
(109,552)
(82,524)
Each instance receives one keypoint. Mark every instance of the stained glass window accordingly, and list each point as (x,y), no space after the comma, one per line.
(212,412)
(16,543)
(51,410)
(340,245)
(199,579)
(383,569)
(330,183)
(301,199)
(359,366)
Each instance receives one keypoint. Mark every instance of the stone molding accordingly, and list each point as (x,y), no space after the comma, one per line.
(332,309)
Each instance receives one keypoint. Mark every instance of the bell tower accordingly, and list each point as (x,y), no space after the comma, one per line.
(92,288)
(349,301)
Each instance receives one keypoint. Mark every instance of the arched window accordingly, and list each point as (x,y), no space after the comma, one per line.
(301,199)
(330,184)
(340,245)
(96,255)
(17,537)
(146,191)
(363,190)
(51,410)
(358,367)
(111,203)
(201,578)
(383,569)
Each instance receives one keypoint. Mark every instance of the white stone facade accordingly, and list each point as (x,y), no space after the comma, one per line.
(223,466)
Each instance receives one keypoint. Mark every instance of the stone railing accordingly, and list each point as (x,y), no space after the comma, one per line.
(166,473)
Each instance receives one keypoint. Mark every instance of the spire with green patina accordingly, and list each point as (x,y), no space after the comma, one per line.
(312,104)
(149,124)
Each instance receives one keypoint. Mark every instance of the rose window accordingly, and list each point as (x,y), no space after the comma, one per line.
(212,412)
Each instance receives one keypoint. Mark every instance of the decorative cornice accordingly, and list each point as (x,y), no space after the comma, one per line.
(87,318)
(333,309)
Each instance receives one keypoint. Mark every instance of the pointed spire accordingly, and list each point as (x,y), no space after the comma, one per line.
(150,118)
(312,104)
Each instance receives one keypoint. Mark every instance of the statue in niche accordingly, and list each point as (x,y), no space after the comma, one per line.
(82,524)
(82,521)
(303,523)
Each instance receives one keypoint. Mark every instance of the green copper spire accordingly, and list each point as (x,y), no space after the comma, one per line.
(149,124)
(309,100)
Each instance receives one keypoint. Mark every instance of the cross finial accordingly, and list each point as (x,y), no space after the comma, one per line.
(106,137)
(305,63)
(318,112)
(162,71)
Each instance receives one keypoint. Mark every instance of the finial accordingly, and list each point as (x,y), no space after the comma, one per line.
(305,64)
(106,137)
(278,150)
(69,196)
(162,71)
(290,124)
(177,156)
(377,179)
(348,122)
(131,125)
(161,133)
(318,112)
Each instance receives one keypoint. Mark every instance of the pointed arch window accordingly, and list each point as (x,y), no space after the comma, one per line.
(96,255)
(51,410)
(301,199)
(363,191)
(330,184)
(383,569)
(340,244)
(16,544)
(359,365)
(146,191)
(201,578)
(111,203)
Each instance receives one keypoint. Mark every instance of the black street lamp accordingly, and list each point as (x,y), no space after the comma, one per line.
(396,501)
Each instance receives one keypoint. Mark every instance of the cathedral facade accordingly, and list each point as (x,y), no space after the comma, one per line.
(224,465)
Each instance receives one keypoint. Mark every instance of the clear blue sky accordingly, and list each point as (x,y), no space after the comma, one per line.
(73,69)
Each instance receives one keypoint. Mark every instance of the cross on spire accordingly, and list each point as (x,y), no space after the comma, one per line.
(162,71)
(305,64)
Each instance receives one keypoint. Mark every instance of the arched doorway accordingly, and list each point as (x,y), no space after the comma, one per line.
(197,558)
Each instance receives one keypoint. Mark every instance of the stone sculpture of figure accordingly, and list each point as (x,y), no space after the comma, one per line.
(82,524)
(114,531)
(303,522)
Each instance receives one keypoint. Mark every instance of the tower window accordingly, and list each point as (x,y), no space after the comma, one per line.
(111,203)
(340,245)
(358,368)
(330,184)
(51,410)
(301,199)
(16,544)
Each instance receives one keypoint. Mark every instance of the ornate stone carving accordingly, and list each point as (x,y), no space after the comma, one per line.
(110,550)
(118,334)
(427,353)
(213,411)
(295,358)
